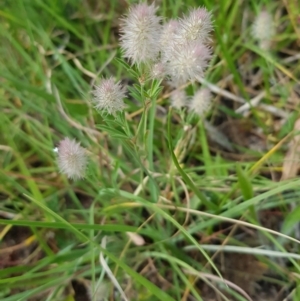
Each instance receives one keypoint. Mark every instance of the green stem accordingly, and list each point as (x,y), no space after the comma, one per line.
(151,134)
(185,177)
(152,112)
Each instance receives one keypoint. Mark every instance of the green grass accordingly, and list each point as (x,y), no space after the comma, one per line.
(163,177)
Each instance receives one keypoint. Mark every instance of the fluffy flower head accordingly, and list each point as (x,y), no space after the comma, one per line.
(157,71)
(196,26)
(72,159)
(263,29)
(168,34)
(108,96)
(201,102)
(140,33)
(178,99)
(187,62)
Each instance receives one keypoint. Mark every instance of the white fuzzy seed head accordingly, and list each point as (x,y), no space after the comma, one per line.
(168,36)
(178,99)
(187,62)
(263,29)
(157,71)
(72,159)
(140,34)
(196,26)
(108,96)
(201,102)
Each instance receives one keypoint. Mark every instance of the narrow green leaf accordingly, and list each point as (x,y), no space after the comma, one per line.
(136,276)
(245,183)
(113,132)
(183,174)
(291,220)
(127,67)
(129,196)
(60,225)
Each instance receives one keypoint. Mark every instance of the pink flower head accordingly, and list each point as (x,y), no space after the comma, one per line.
(187,62)
(196,26)
(158,71)
(201,102)
(178,99)
(168,34)
(72,159)
(140,34)
(108,96)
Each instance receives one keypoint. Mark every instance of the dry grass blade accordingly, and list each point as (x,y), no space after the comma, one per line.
(218,217)
(217,279)
(109,272)
(291,163)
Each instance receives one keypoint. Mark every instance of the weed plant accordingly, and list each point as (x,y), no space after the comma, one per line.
(144,150)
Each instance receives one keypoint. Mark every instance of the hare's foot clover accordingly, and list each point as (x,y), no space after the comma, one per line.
(178,99)
(108,96)
(263,29)
(177,51)
(201,102)
(196,26)
(140,34)
(71,158)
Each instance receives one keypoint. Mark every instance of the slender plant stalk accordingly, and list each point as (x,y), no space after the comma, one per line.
(150,143)
(186,178)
